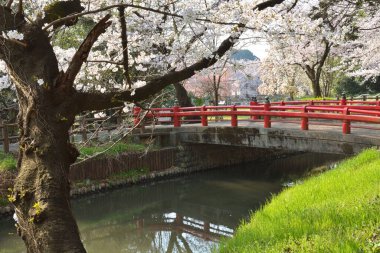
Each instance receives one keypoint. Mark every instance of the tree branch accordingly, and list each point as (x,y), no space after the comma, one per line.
(267,4)
(98,101)
(8,20)
(72,16)
(82,53)
(9,4)
(124,43)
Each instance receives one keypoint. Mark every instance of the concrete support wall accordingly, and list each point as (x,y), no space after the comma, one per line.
(193,157)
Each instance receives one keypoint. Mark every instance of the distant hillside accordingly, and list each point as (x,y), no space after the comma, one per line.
(244,54)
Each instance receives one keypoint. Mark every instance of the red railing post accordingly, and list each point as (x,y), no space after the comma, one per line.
(204,117)
(253,103)
(5,136)
(344,100)
(136,115)
(304,120)
(176,118)
(234,122)
(282,104)
(346,123)
(267,123)
(311,103)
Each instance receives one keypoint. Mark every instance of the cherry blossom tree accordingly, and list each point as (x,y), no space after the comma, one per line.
(282,79)
(54,84)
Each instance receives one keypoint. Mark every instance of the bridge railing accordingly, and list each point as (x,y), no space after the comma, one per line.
(300,112)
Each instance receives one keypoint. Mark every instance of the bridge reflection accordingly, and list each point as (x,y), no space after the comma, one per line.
(188,214)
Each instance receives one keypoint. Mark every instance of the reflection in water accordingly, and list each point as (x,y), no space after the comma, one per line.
(187,214)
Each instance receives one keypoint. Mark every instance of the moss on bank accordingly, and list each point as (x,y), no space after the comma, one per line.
(7,162)
(337,211)
(110,149)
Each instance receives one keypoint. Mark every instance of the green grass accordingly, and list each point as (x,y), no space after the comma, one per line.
(110,149)
(337,211)
(133,174)
(7,162)
(3,202)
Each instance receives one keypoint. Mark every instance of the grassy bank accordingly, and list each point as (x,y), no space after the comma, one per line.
(337,211)
(110,149)
(7,162)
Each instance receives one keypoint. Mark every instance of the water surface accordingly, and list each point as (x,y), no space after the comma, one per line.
(187,214)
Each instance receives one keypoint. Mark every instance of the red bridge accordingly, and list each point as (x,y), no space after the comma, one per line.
(349,122)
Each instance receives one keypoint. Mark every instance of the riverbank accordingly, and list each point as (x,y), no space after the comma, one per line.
(119,168)
(337,211)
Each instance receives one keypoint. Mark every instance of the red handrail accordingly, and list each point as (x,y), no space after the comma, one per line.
(343,110)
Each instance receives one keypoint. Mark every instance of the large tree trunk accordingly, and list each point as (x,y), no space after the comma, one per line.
(182,96)
(316,88)
(185,101)
(41,193)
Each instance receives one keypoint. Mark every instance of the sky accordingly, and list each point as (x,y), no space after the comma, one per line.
(258,49)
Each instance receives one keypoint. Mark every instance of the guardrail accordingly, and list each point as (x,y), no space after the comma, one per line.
(321,111)
(83,126)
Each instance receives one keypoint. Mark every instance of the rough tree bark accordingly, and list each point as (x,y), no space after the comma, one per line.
(48,103)
(182,96)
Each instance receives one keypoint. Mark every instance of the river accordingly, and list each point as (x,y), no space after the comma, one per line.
(186,214)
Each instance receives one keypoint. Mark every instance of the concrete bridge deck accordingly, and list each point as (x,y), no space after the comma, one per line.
(282,135)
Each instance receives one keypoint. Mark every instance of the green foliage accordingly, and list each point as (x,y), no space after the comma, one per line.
(350,86)
(72,37)
(337,211)
(61,9)
(3,202)
(315,98)
(130,174)
(354,86)
(110,149)
(7,162)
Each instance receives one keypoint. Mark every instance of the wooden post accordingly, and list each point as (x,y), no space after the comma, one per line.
(234,122)
(305,120)
(204,117)
(346,123)
(253,103)
(5,137)
(267,123)
(136,115)
(311,103)
(83,128)
(176,118)
(344,100)
(72,138)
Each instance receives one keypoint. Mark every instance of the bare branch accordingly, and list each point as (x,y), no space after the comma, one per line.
(9,4)
(124,43)
(98,101)
(105,61)
(8,20)
(20,8)
(19,43)
(72,16)
(267,4)
(82,53)
(293,6)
